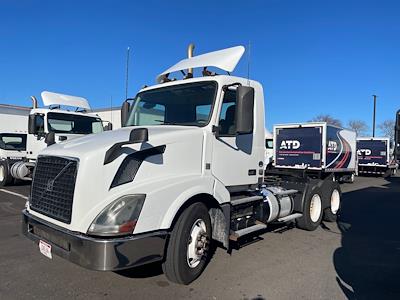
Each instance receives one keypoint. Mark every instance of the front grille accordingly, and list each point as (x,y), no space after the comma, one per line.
(53,187)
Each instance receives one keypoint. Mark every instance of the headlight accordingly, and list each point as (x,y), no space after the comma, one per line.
(119,217)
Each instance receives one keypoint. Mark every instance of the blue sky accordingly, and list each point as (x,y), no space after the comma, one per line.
(312,57)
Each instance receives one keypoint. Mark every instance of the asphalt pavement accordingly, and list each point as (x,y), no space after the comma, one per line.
(356,258)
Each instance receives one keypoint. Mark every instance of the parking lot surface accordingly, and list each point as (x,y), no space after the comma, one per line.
(356,258)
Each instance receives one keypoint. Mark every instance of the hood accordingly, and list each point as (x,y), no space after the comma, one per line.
(158,135)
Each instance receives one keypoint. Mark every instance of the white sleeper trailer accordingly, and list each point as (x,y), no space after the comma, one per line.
(53,123)
(110,116)
(186,170)
(13,135)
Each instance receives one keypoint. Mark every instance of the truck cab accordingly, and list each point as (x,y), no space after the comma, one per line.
(62,118)
(185,171)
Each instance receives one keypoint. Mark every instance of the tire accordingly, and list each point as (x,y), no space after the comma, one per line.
(334,200)
(312,213)
(5,176)
(183,263)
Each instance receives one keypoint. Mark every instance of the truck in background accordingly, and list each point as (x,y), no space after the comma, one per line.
(13,135)
(269,149)
(184,173)
(376,156)
(318,148)
(54,123)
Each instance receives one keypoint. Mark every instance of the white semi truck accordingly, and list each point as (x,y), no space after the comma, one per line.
(13,135)
(185,172)
(53,123)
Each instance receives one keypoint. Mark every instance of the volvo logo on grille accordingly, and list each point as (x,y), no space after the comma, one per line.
(50,185)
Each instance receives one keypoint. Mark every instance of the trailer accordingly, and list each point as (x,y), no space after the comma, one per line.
(111,116)
(317,148)
(185,172)
(62,118)
(376,156)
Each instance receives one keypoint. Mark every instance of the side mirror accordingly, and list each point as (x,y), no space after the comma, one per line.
(125,113)
(32,124)
(109,127)
(50,139)
(244,116)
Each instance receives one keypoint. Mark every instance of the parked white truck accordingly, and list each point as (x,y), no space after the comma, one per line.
(51,124)
(185,172)
(13,135)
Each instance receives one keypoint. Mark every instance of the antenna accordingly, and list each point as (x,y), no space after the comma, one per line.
(127,73)
(248,63)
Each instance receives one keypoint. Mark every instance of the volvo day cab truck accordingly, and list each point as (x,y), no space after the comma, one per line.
(53,123)
(318,148)
(185,172)
(13,135)
(376,156)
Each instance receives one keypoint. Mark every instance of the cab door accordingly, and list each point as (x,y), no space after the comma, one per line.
(233,159)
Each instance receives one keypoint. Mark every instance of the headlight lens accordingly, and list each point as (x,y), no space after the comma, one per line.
(119,217)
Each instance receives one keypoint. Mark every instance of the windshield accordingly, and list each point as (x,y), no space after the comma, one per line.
(73,124)
(13,141)
(186,104)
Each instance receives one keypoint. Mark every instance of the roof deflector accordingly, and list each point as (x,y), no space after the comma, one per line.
(225,59)
(50,98)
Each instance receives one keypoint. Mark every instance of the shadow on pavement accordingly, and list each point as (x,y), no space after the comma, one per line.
(368,262)
(145,271)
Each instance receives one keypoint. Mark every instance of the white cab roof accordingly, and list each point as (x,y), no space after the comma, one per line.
(225,59)
(50,98)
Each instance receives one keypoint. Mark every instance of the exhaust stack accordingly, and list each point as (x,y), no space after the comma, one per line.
(190,55)
(34,102)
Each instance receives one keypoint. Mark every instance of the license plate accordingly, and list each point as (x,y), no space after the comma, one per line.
(45,249)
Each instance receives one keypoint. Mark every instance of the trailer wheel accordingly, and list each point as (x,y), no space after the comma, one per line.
(5,176)
(331,212)
(312,214)
(187,252)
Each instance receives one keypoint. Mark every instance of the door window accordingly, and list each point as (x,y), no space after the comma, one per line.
(227,116)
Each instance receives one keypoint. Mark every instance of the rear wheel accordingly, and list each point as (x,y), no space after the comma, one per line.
(5,176)
(188,247)
(312,214)
(331,212)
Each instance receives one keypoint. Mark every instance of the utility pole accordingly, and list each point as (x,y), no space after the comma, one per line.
(373,118)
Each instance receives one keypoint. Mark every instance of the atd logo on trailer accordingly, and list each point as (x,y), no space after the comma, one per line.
(332,146)
(290,144)
(364,152)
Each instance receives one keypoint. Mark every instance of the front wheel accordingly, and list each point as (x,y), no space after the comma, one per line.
(189,244)
(312,213)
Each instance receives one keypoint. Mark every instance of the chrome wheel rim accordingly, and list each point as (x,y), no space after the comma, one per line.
(315,208)
(335,201)
(197,243)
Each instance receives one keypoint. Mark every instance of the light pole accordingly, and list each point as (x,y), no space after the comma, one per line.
(373,118)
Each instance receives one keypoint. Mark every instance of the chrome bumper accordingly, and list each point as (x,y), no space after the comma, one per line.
(96,253)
